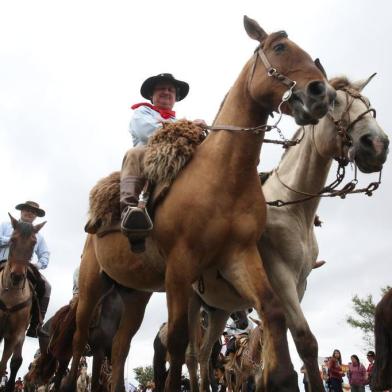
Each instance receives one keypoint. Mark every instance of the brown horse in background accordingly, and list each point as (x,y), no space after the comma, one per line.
(382,372)
(16,296)
(212,216)
(55,356)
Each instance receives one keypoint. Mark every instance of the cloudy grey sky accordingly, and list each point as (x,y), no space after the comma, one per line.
(70,70)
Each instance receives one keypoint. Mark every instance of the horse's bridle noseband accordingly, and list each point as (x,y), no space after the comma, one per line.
(273,72)
(344,126)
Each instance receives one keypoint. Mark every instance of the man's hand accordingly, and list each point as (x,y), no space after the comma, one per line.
(199,122)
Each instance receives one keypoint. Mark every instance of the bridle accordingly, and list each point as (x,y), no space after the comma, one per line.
(343,125)
(260,129)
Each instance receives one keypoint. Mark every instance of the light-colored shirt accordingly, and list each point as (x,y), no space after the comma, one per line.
(232,329)
(75,289)
(144,122)
(40,249)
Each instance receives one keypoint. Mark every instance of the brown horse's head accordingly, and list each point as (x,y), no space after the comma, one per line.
(22,242)
(351,131)
(280,65)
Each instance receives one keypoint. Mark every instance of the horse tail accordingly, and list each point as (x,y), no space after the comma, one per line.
(382,372)
(159,360)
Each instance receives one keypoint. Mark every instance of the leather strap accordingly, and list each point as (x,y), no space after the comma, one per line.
(16,307)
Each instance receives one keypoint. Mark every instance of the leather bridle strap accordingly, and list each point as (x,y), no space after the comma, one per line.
(271,71)
(16,307)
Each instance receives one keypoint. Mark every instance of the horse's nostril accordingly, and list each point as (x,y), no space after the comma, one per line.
(366,140)
(316,88)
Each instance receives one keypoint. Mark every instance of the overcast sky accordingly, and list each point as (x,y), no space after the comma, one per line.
(70,71)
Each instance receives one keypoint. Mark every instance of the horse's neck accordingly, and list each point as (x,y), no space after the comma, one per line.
(238,150)
(304,170)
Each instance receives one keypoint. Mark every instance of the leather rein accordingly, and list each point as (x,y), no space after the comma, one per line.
(342,127)
(260,129)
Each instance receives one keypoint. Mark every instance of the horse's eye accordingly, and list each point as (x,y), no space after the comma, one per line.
(278,48)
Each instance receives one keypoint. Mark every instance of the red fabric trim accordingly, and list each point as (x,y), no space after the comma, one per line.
(163,112)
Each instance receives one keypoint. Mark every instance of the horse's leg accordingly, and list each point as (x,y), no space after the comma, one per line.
(179,277)
(16,361)
(98,359)
(7,352)
(245,270)
(216,324)
(60,372)
(159,360)
(194,337)
(304,340)
(135,303)
(91,288)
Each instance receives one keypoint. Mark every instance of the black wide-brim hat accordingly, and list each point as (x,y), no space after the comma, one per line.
(149,84)
(31,206)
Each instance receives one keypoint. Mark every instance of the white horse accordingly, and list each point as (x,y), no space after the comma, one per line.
(288,247)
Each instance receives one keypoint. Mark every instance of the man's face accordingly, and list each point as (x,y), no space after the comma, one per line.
(164,95)
(27,216)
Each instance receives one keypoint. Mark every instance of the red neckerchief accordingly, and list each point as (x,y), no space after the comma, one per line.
(163,112)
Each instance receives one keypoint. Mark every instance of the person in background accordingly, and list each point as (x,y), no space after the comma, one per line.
(29,211)
(75,282)
(335,372)
(371,356)
(305,379)
(356,375)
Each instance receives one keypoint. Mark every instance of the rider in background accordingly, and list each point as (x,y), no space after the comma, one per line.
(233,332)
(29,211)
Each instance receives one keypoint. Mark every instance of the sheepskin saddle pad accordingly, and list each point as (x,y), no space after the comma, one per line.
(167,153)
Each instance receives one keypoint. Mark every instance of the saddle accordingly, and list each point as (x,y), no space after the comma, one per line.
(167,153)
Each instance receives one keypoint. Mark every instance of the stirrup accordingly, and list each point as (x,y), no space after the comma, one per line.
(136,224)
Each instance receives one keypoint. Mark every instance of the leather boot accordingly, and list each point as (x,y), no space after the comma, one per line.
(136,224)
(35,328)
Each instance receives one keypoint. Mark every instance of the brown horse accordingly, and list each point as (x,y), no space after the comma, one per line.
(16,296)
(382,376)
(213,214)
(54,357)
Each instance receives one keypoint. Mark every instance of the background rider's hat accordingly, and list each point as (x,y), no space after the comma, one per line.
(31,206)
(149,84)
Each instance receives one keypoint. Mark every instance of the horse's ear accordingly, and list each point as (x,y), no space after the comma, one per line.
(14,222)
(38,227)
(320,67)
(254,30)
(361,84)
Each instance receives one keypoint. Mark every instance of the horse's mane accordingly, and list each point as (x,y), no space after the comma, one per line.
(221,106)
(62,328)
(341,82)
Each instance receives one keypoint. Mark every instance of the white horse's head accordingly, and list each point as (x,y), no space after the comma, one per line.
(351,131)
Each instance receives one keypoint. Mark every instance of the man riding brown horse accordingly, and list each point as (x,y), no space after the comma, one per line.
(29,211)
(163,91)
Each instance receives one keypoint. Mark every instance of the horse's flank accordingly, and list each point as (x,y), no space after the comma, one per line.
(382,377)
